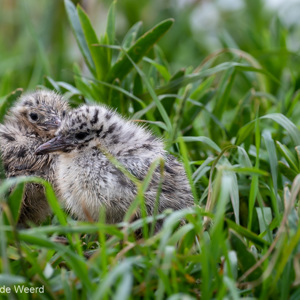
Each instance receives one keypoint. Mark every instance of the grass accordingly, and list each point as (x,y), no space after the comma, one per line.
(233,122)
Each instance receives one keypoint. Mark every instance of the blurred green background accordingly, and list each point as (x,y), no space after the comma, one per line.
(36,40)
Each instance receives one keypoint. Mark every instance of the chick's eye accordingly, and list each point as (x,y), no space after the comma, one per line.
(81,135)
(33,116)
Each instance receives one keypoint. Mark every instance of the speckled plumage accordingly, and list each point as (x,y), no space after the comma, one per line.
(87,180)
(31,122)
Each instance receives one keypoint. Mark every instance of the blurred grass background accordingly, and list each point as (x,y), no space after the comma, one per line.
(227,74)
(36,39)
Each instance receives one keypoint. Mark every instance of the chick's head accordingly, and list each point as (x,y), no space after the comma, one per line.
(81,128)
(41,111)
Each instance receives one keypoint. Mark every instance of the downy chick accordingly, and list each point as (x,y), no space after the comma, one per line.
(32,121)
(88,181)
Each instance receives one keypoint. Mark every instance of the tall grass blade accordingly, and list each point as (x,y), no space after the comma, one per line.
(79,35)
(136,52)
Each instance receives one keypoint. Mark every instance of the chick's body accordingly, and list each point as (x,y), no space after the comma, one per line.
(32,121)
(87,180)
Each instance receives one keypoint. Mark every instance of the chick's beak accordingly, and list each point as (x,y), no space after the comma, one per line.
(54,123)
(58,143)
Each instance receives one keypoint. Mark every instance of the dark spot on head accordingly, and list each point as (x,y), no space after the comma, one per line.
(131,151)
(95,117)
(99,131)
(111,128)
(88,140)
(148,147)
(108,115)
(83,125)
(131,135)
(8,137)
(37,102)
(150,139)
(115,139)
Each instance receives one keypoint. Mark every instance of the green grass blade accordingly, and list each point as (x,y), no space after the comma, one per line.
(157,123)
(15,200)
(110,26)
(131,36)
(124,288)
(289,126)
(234,196)
(288,155)
(105,286)
(79,34)
(187,167)
(286,171)
(110,31)
(202,139)
(10,280)
(251,236)
(245,257)
(264,216)
(202,169)
(9,102)
(123,66)
(183,81)
(223,92)
(283,121)
(98,54)
(250,171)
(270,145)
(160,68)
(254,181)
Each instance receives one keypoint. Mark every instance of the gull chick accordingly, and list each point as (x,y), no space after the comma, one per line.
(32,121)
(88,181)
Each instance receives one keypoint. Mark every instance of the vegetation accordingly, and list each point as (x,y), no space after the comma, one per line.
(232,120)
